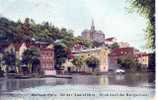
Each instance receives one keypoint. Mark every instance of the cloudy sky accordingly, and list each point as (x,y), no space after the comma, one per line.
(110,16)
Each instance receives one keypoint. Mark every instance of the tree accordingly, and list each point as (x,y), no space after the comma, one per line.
(68,38)
(129,64)
(92,62)
(30,57)
(9,59)
(22,31)
(7,30)
(147,9)
(78,62)
(81,41)
(60,55)
(114,45)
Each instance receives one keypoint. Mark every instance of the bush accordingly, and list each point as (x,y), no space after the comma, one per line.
(78,62)
(92,62)
(129,64)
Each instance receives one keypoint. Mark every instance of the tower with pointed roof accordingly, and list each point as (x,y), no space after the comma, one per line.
(92,26)
(93,34)
(92,30)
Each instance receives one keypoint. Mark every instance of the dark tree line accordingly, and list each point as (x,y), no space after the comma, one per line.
(11,31)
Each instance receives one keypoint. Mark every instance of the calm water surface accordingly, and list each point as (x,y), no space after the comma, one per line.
(81,87)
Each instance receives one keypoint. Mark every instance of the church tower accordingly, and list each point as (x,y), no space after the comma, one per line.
(93,34)
(92,26)
(92,30)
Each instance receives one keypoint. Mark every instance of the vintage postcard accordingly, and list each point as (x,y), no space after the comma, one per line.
(77,50)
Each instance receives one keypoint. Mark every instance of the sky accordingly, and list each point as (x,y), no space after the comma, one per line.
(110,16)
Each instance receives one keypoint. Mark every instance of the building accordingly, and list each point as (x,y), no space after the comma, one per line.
(118,53)
(6,47)
(121,52)
(46,56)
(20,47)
(46,51)
(100,53)
(147,60)
(93,35)
(143,59)
(47,60)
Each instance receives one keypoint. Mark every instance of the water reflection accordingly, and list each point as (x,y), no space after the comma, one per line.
(132,80)
(16,84)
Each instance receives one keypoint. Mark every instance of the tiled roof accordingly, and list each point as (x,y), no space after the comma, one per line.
(109,39)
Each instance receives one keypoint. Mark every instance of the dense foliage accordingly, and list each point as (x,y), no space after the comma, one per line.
(31,59)
(9,59)
(130,64)
(78,62)
(147,9)
(28,30)
(114,45)
(60,55)
(11,31)
(92,62)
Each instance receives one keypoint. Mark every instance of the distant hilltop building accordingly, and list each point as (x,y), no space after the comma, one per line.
(93,35)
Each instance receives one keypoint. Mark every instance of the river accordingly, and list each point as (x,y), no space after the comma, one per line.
(81,87)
